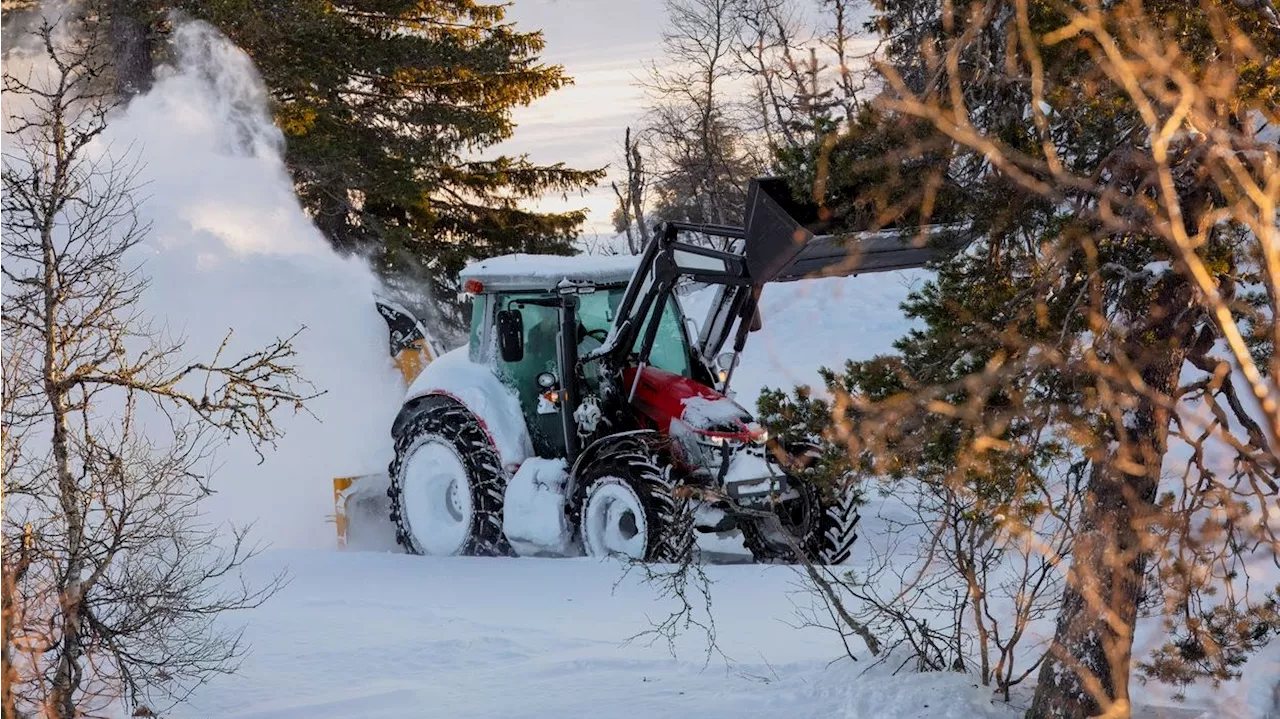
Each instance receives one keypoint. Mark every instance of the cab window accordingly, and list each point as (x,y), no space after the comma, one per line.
(670,346)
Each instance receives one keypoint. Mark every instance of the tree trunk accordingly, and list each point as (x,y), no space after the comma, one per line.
(131,47)
(635,186)
(11,571)
(66,678)
(8,590)
(1087,671)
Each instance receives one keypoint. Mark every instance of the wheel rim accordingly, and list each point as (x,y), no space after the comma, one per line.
(613,521)
(436,498)
(798,516)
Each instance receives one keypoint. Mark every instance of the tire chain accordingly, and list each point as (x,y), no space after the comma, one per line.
(838,531)
(456,425)
(673,512)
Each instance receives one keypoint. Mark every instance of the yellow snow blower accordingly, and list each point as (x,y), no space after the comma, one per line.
(364,495)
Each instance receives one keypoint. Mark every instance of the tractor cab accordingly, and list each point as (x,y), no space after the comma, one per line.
(516,329)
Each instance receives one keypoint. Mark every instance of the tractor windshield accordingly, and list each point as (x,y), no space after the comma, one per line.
(670,349)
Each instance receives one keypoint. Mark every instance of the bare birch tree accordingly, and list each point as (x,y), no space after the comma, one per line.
(632,196)
(702,159)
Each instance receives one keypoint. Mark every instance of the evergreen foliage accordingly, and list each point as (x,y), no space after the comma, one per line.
(387,106)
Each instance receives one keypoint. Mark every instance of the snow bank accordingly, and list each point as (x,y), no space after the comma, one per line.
(822,322)
(941,695)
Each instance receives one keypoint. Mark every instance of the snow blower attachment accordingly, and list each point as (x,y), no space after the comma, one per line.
(584,417)
(360,503)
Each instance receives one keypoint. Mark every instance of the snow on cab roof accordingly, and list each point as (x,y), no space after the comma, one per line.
(543,272)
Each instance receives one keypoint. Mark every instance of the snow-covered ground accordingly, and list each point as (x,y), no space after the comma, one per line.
(378,634)
(369,634)
(391,635)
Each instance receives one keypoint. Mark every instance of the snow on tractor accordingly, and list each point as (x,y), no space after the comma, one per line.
(585,416)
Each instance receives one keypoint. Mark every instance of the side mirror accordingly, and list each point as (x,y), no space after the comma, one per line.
(510,326)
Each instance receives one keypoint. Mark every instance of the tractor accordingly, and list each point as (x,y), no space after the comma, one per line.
(588,414)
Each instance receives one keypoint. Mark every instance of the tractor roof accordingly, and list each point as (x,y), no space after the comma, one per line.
(543,272)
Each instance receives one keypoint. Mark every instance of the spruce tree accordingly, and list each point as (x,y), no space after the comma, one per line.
(388,107)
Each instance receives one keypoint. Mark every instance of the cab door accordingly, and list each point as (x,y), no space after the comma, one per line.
(541,337)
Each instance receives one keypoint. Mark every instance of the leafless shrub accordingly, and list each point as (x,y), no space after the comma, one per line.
(686,585)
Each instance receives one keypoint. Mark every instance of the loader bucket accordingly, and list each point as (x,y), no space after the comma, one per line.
(787,240)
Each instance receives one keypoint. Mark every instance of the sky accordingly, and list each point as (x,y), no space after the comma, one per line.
(604,46)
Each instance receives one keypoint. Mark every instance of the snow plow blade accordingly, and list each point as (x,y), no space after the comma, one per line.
(785,241)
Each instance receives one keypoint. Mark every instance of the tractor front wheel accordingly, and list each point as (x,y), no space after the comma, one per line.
(446,484)
(628,506)
(822,527)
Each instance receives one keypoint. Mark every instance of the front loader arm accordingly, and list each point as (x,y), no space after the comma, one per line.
(781,241)
(665,262)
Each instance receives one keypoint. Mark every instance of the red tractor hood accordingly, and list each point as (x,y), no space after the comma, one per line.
(664,396)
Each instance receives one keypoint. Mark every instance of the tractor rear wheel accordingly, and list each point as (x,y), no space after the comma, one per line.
(823,527)
(446,484)
(628,505)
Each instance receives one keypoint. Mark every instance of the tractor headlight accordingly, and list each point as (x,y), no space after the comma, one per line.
(715,448)
(718,441)
(546,380)
(710,453)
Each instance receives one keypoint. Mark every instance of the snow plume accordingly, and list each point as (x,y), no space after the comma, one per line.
(230,249)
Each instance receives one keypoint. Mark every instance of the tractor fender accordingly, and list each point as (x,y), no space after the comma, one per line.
(478,388)
(602,447)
